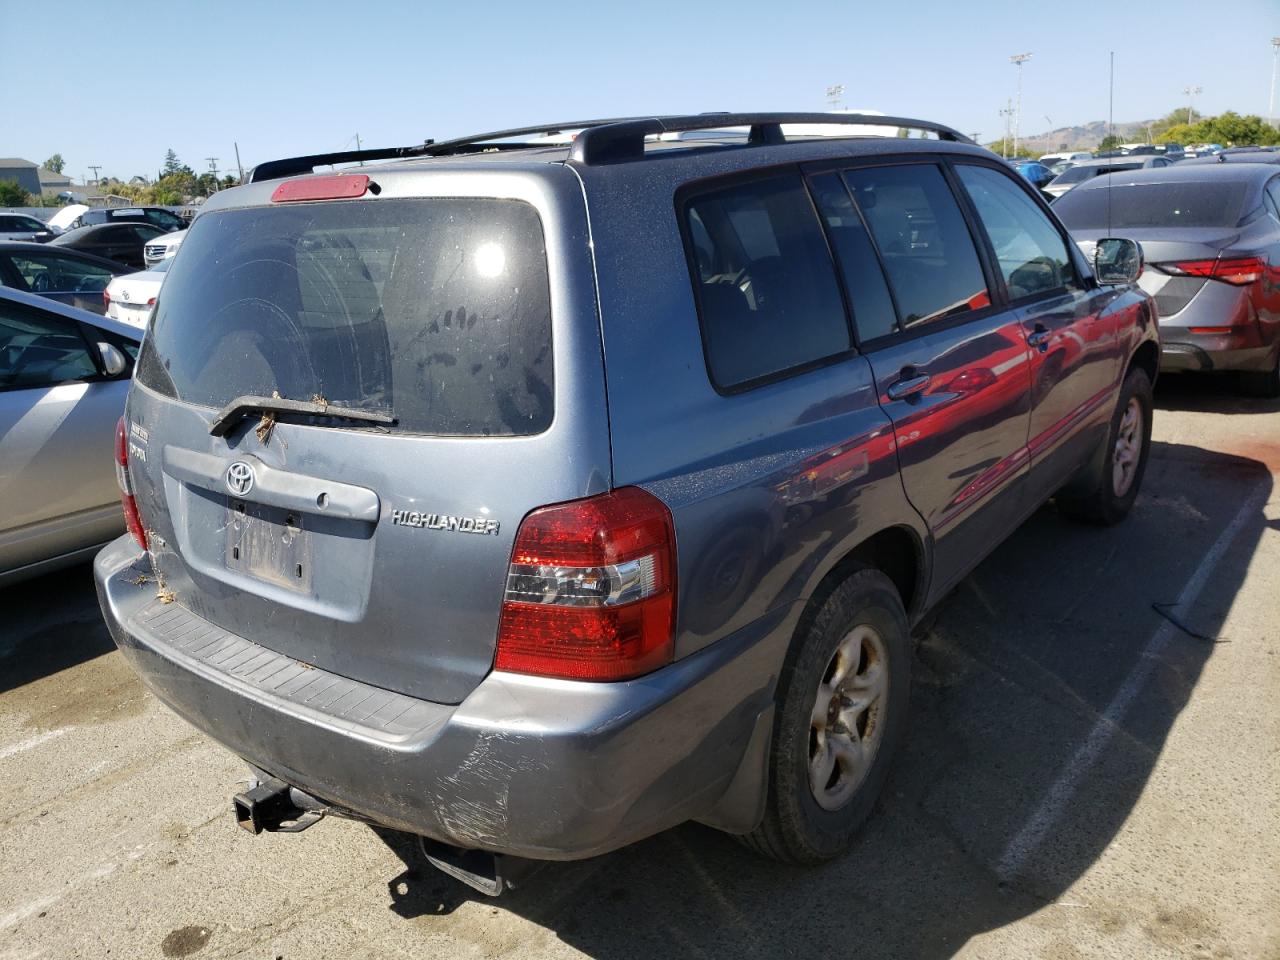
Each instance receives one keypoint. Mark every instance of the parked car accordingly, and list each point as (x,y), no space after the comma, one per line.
(131,298)
(412,562)
(121,242)
(1211,237)
(1088,169)
(1036,173)
(63,378)
(166,220)
(65,275)
(1257,156)
(1074,156)
(18,226)
(161,248)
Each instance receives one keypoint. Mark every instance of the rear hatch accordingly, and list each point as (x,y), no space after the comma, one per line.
(376,551)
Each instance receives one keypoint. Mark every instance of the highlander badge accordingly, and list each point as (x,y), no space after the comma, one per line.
(440,521)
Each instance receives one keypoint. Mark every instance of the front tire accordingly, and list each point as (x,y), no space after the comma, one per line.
(1125,460)
(841,712)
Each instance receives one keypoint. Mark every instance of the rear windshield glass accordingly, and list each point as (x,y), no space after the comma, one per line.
(1183,204)
(435,311)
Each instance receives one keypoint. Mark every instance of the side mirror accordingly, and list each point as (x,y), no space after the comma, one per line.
(1117,261)
(113,359)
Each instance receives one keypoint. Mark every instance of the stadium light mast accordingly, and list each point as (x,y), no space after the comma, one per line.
(1275,60)
(1018,59)
(835,96)
(1192,93)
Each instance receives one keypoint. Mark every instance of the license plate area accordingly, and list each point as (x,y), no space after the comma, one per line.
(269,544)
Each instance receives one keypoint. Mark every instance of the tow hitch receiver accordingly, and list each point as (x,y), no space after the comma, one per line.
(274,806)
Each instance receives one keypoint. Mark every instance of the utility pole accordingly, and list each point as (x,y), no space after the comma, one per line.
(1018,59)
(1275,59)
(213,168)
(835,95)
(1007,113)
(95,169)
(239,165)
(358,147)
(1192,93)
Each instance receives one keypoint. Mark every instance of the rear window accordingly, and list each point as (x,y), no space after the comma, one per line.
(434,311)
(1186,203)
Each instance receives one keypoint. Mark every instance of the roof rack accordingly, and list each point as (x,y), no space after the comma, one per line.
(624,140)
(603,141)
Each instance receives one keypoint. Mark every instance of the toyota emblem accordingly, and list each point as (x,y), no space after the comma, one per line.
(240,478)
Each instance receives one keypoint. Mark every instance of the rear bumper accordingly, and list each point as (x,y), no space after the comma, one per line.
(1181,351)
(530,767)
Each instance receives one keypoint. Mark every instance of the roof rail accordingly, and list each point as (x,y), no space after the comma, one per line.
(292,166)
(601,141)
(624,140)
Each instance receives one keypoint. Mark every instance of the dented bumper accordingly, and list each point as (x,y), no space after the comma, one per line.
(530,767)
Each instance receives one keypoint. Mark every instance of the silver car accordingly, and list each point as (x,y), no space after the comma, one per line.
(64,374)
(19,226)
(1210,234)
(1086,170)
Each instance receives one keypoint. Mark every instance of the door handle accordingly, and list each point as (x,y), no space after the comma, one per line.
(1040,337)
(908,387)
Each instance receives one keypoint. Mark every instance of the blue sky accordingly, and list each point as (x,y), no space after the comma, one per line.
(285,78)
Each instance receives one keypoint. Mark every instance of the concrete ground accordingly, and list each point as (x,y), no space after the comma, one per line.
(1084,776)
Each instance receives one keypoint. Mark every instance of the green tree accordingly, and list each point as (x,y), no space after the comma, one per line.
(171,163)
(12,195)
(55,163)
(1110,142)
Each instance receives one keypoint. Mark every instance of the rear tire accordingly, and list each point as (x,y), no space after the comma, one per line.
(1262,383)
(841,712)
(1124,460)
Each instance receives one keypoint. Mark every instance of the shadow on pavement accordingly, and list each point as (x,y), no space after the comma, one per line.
(1209,393)
(48,624)
(1012,678)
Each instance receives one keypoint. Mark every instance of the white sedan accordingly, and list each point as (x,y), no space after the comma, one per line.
(131,297)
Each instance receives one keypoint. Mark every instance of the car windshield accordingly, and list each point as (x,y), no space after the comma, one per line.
(436,312)
(1186,203)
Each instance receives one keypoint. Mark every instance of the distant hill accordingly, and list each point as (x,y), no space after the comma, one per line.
(1082,137)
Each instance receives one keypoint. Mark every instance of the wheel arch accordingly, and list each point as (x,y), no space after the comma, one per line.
(896,551)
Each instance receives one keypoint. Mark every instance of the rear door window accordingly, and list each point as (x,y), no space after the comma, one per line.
(435,311)
(766,288)
(924,241)
(869,299)
(1029,249)
(52,273)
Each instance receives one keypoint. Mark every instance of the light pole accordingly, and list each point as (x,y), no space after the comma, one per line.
(1018,59)
(835,93)
(1007,113)
(1275,59)
(1192,93)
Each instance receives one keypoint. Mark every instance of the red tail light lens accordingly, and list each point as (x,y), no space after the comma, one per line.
(591,590)
(1239,271)
(106,298)
(131,518)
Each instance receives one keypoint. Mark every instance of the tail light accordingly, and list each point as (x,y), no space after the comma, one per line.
(106,298)
(131,518)
(591,590)
(1239,271)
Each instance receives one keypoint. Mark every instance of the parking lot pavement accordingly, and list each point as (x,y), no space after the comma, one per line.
(1089,772)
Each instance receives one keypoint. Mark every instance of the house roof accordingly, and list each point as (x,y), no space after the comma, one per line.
(11,162)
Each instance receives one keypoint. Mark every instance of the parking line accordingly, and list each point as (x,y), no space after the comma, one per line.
(24,745)
(1027,840)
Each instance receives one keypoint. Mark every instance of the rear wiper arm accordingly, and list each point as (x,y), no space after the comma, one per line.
(242,406)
